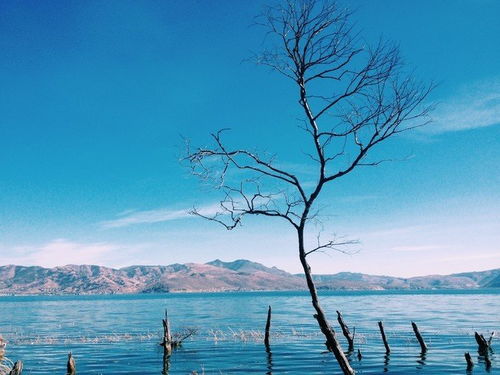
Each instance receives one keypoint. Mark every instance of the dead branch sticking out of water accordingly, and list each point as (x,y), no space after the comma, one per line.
(483,344)
(491,338)
(484,348)
(384,338)
(345,331)
(171,342)
(423,345)
(268,327)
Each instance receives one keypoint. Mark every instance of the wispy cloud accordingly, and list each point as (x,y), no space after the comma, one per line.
(474,106)
(160,215)
(397,231)
(60,252)
(418,248)
(469,257)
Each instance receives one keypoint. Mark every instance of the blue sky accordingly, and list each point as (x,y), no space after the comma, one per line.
(95,95)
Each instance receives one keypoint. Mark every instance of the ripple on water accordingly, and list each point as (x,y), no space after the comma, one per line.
(120,334)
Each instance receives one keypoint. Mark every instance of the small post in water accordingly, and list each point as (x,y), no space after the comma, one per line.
(268,327)
(384,338)
(420,339)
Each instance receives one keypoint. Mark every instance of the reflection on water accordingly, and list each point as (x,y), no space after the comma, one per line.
(421,360)
(166,362)
(120,334)
(387,358)
(269,361)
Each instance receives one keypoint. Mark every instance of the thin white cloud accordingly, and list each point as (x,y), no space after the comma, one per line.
(470,257)
(402,232)
(474,106)
(160,215)
(418,248)
(59,252)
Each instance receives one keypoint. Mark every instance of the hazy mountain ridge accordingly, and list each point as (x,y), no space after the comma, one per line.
(213,276)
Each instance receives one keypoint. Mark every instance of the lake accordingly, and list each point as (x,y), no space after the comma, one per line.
(120,334)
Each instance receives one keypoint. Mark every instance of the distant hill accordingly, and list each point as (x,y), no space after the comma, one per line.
(191,277)
(213,276)
(359,281)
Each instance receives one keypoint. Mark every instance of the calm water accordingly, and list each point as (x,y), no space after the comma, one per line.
(120,334)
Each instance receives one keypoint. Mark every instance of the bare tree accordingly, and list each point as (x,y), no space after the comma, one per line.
(353,98)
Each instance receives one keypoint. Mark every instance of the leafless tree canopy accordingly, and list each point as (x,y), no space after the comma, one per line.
(353,97)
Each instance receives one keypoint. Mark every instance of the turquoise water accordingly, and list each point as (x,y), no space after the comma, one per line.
(120,334)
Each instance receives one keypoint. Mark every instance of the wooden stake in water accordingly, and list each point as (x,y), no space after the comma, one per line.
(420,339)
(268,327)
(384,338)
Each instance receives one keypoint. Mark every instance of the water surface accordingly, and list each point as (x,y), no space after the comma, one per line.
(120,334)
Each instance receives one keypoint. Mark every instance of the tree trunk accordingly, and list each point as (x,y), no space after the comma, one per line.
(320,316)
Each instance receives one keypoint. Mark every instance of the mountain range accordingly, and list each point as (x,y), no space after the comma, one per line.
(215,276)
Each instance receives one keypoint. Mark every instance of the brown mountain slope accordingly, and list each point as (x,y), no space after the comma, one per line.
(213,276)
(191,277)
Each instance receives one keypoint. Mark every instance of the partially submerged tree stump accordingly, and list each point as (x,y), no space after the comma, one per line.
(423,345)
(168,341)
(17,369)
(468,359)
(484,347)
(268,327)
(482,343)
(345,331)
(167,336)
(384,338)
(71,366)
